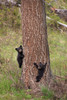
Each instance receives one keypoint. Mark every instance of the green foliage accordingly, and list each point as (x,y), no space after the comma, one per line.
(48,94)
(5,85)
(64,97)
(9,18)
(2,60)
(38,98)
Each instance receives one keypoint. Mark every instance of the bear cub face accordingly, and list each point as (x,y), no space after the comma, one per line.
(20,55)
(41,69)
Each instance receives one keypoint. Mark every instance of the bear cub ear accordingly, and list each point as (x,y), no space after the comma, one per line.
(20,46)
(19,49)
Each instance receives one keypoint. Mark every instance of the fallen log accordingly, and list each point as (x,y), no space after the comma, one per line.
(11,3)
(64,25)
(61,24)
(62,13)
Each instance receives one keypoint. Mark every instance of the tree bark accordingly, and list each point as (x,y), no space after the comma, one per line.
(35,44)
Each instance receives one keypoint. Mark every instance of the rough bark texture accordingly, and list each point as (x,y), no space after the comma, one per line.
(35,44)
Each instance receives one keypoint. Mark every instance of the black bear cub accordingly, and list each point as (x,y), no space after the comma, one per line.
(20,55)
(41,69)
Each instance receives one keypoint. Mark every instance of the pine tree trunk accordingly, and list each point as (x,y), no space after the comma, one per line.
(35,44)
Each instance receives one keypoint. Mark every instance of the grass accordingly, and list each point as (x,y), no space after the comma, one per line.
(48,94)
(58,51)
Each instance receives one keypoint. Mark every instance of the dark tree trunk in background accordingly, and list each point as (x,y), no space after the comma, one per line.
(35,44)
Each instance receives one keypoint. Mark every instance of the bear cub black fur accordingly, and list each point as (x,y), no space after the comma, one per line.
(20,55)
(41,69)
